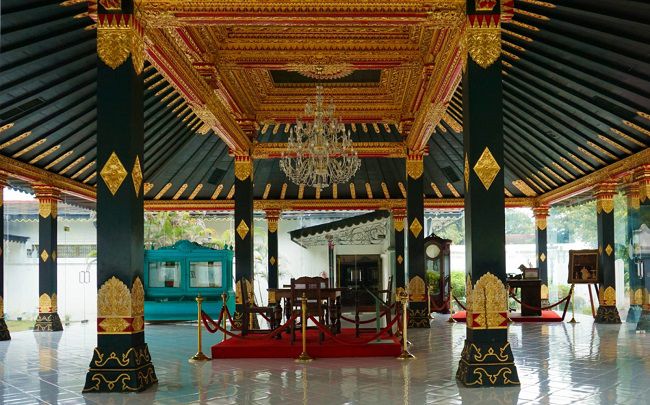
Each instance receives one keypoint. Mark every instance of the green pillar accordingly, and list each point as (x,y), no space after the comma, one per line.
(48,319)
(607,311)
(541,244)
(631,191)
(4,331)
(642,248)
(486,359)
(244,233)
(272,219)
(400,265)
(121,361)
(418,313)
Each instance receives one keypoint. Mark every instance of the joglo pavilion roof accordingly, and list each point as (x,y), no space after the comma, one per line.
(576,83)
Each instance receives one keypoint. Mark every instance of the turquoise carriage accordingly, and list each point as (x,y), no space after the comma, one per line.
(175,275)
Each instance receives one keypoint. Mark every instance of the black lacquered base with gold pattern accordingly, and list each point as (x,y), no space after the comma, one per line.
(487,364)
(644,321)
(48,322)
(418,316)
(129,371)
(607,314)
(4,331)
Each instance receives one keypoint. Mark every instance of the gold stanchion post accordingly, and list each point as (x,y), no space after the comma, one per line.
(573,305)
(224,298)
(405,355)
(451,309)
(199,356)
(304,357)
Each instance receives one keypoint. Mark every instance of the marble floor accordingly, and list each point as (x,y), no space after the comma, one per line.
(557,364)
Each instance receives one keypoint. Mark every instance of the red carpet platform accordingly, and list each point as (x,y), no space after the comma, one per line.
(547,316)
(260,346)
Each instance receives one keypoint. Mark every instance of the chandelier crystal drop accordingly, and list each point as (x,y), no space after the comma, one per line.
(319,151)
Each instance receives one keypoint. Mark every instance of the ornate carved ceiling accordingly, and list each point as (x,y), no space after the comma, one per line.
(235,46)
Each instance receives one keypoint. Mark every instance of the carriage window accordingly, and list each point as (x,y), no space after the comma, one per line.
(205,274)
(165,274)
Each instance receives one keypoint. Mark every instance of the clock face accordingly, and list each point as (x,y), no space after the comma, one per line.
(432,251)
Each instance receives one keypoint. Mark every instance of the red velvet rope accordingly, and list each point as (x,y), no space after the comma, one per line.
(329,333)
(381,315)
(523,304)
(206,319)
(444,304)
(459,303)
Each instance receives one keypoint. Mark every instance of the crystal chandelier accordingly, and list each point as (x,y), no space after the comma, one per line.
(319,152)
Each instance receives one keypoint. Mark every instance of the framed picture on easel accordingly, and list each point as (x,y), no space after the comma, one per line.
(583,266)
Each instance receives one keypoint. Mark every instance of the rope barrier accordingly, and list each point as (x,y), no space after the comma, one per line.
(459,303)
(381,315)
(329,333)
(523,304)
(216,327)
(435,309)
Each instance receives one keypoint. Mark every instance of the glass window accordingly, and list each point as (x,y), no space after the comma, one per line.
(205,274)
(165,274)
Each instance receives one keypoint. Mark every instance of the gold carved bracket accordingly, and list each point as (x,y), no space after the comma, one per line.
(483,39)
(118,36)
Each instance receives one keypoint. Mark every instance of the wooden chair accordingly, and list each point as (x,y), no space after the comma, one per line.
(250,311)
(316,304)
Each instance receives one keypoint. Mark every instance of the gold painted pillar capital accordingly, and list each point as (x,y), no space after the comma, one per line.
(48,197)
(118,37)
(541,216)
(631,191)
(243,167)
(604,193)
(399,214)
(414,164)
(272,219)
(483,38)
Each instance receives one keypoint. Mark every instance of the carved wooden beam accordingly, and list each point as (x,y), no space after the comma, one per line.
(274,150)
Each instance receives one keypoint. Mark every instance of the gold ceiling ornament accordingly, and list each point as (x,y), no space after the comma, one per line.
(607,296)
(242,229)
(321,70)
(400,259)
(466,173)
(609,250)
(113,299)
(136,175)
(483,38)
(243,167)
(118,36)
(113,173)
(487,307)
(44,255)
(414,166)
(487,168)
(542,257)
(416,227)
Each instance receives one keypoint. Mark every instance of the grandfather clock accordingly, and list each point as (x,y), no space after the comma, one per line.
(438,273)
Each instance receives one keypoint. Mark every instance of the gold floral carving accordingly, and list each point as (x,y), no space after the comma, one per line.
(114,325)
(415,227)
(136,175)
(414,167)
(243,168)
(486,168)
(417,289)
(486,305)
(113,299)
(605,204)
(484,44)
(47,304)
(113,173)
(137,298)
(242,229)
(636,296)
(322,70)
(608,296)
(543,292)
(540,222)
(118,36)
(47,208)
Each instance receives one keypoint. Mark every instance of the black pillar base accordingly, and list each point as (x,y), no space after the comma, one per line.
(633,314)
(643,326)
(485,364)
(48,322)
(418,315)
(607,314)
(4,331)
(129,371)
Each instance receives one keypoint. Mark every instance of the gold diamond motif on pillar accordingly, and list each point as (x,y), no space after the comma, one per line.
(113,173)
(416,227)
(609,250)
(466,173)
(400,259)
(542,257)
(44,255)
(487,168)
(272,260)
(136,175)
(242,229)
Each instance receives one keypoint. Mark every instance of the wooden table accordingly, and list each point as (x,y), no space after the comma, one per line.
(530,294)
(332,295)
